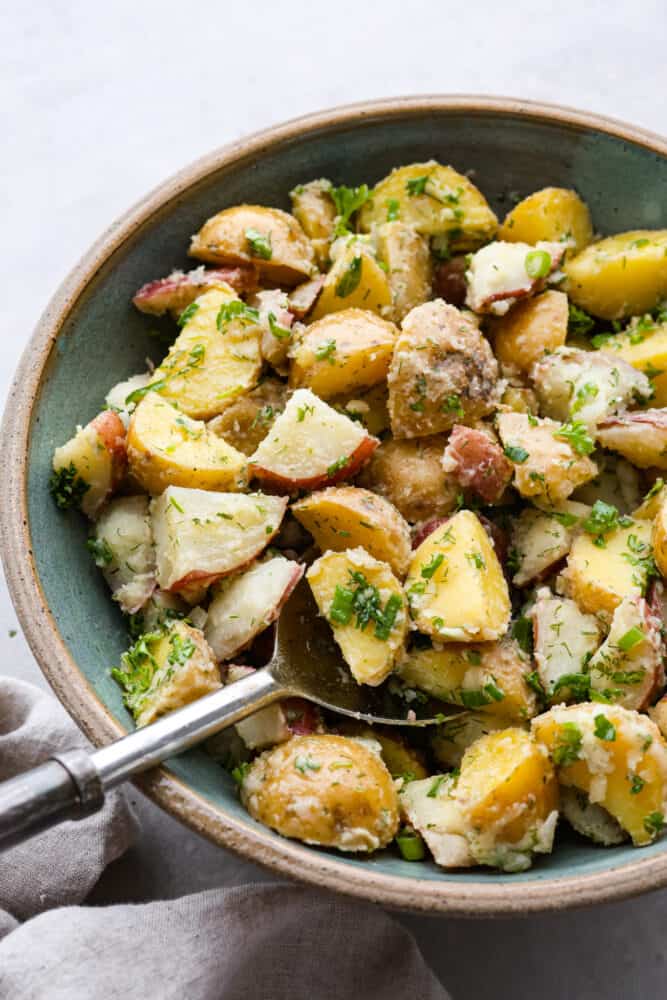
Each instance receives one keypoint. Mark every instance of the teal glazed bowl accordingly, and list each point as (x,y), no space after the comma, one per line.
(91,337)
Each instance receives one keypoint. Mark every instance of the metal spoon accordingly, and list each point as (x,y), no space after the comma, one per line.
(306,663)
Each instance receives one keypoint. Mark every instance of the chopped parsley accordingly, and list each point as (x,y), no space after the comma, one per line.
(476,559)
(187,314)
(138,670)
(654,823)
(337,466)
(349,281)
(259,243)
(533,681)
(604,729)
(516,453)
(576,434)
(578,686)
(180,650)
(602,519)
(348,201)
(239,772)
(305,764)
(393,209)
(416,185)
(326,351)
(67,487)
(583,395)
(361,599)
(100,550)
(435,786)
(452,404)
(568,747)
(636,784)
(432,565)
(579,322)
(522,631)
(236,309)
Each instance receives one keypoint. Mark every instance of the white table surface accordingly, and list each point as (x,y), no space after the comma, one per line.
(100,102)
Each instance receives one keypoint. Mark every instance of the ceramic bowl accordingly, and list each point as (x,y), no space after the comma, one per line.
(91,337)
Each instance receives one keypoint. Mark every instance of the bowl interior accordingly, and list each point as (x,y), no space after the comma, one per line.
(105,340)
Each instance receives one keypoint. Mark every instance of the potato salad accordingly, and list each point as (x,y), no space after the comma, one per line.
(455,428)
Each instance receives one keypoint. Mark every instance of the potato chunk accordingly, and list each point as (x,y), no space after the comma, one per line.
(401,759)
(251,234)
(91,465)
(346,351)
(587,385)
(589,819)
(431,807)
(619,276)
(545,465)
(246,421)
(541,538)
(628,667)
(598,578)
(311,445)
(410,475)
(550,214)
(347,517)
(455,584)
(616,756)
(640,436)
(435,201)
(246,604)
(500,274)
(363,602)
(214,358)
(175,292)
(165,447)
(201,536)
(324,790)
(477,463)
(489,677)
(508,794)
(276,324)
(443,372)
(659,533)
(369,407)
(450,740)
(565,640)
(643,344)
(123,549)
(315,211)
(531,329)
(166,670)
(355,280)
(407,257)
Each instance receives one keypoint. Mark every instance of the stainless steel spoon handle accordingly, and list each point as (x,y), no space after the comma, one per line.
(72,784)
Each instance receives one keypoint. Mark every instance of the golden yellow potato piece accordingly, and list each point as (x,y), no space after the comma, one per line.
(489,677)
(315,211)
(410,475)
(643,345)
(519,399)
(401,759)
(450,740)
(616,756)
(355,281)
(509,795)
(369,407)
(554,214)
(455,584)
(91,465)
(659,715)
(165,671)
(347,517)
(245,422)
(435,201)
(598,578)
(164,446)
(345,585)
(531,329)
(545,466)
(659,534)
(213,359)
(407,257)
(621,275)
(345,351)
(252,234)
(324,790)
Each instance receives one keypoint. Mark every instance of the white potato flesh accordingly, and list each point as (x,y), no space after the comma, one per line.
(586,385)
(311,445)
(116,398)
(590,819)
(541,538)
(276,335)
(201,536)
(498,274)
(565,639)
(245,605)
(430,807)
(628,667)
(641,437)
(124,551)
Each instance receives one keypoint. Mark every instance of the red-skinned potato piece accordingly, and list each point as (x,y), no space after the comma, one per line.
(477,463)
(303,298)
(95,460)
(497,534)
(449,281)
(175,292)
(640,436)
(311,445)
(278,722)
(501,273)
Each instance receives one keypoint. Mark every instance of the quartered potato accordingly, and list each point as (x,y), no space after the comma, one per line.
(565,640)
(175,292)
(410,475)
(324,790)
(620,276)
(643,344)
(450,740)
(455,584)
(346,351)
(315,211)
(443,372)
(347,517)
(501,274)
(533,328)
(477,463)
(589,819)
(369,407)
(91,465)
(639,436)
(246,420)
(122,547)
(215,358)
(407,257)
(553,213)
(363,601)
(355,280)
(628,668)
(435,201)
(614,755)
(251,234)
(541,538)
(431,807)
(165,447)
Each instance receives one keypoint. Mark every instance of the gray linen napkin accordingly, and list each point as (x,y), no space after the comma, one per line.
(269,942)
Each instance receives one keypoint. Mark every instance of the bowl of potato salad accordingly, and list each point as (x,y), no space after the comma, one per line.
(411,355)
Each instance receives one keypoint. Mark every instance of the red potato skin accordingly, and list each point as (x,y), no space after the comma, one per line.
(303,298)
(354,463)
(477,463)
(302,717)
(449,281)
(111,432)
(538,285)
(177,291)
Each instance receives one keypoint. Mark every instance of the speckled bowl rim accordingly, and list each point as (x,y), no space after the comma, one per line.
(289,858)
